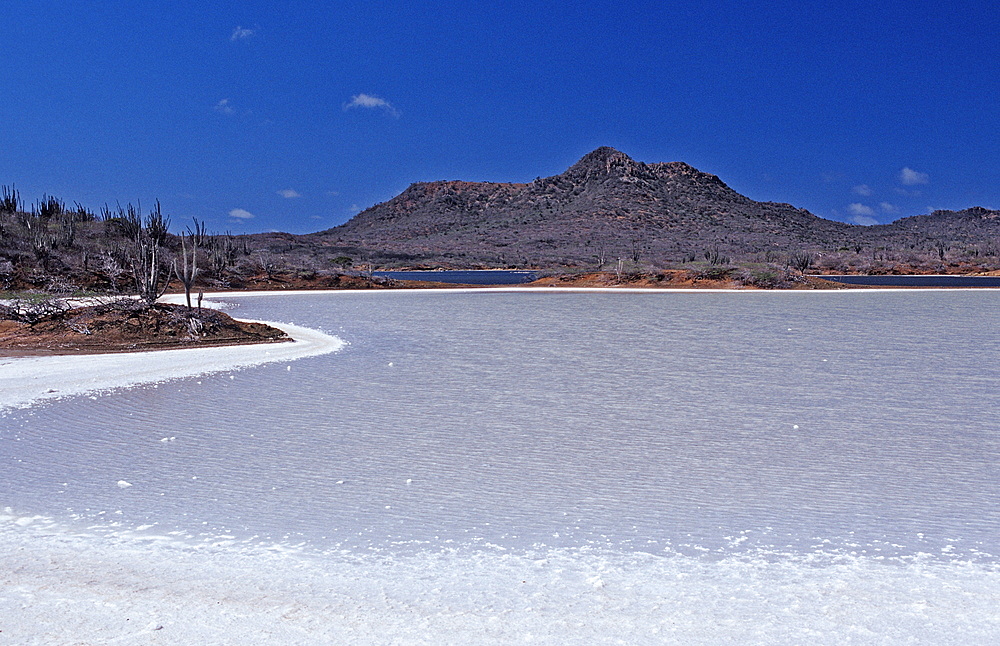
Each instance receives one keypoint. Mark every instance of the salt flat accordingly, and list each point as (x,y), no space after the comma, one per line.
(74,588)
(484,467)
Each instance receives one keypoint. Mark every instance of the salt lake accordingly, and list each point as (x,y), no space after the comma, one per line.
(488,467)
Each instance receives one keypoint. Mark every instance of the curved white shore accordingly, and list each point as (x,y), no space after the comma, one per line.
(25,380)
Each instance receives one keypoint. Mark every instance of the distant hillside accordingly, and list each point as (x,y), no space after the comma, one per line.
(607,212)
(971,227)
(606,205)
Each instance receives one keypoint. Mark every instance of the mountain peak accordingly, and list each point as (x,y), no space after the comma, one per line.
(601,162)
(603,157)
(604,154)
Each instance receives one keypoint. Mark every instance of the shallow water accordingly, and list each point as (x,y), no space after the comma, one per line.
(785,445)
(564,419)
(933,280)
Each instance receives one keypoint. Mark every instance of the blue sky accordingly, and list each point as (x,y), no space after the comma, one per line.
(292,116)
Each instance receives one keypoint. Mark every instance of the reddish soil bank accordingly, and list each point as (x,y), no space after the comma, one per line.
(124,326)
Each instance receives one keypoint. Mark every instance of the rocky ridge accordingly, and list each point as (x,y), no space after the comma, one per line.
(607,204)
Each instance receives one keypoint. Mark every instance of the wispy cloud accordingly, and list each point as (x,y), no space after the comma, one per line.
(910,177)
(888,208)
(242,33)
(857,208)
(289,193)
(863,190)
(223,107)
(241,214)
(371,102)
(861,214)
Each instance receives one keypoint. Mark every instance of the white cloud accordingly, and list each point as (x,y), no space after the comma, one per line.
(354,209)
(366,101)
(862,214)
(863,190)
(371,102)
(888,208)
(289,193)
(241,214)
(223,107)
(910,177)
(242,33)
(857,208)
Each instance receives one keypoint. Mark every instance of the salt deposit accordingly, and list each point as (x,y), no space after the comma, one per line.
(544,469)
(24,380)
(64,587)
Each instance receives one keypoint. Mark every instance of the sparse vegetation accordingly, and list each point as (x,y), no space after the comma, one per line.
(123,250)
(715,272)
(607,211)
(801,261)
(10,201)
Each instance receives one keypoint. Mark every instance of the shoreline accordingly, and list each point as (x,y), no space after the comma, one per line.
(25,381)
(604,290)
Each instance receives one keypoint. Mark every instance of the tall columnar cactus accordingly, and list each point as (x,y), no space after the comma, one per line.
(188,271)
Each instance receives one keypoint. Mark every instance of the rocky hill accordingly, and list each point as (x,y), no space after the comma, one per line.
(971,227)
(607,206)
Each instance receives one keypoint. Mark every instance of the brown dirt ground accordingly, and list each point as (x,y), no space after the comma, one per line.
(106,328)
(677,278)
(280,281)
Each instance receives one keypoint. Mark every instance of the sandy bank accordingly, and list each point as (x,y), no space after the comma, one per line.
(26,380)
